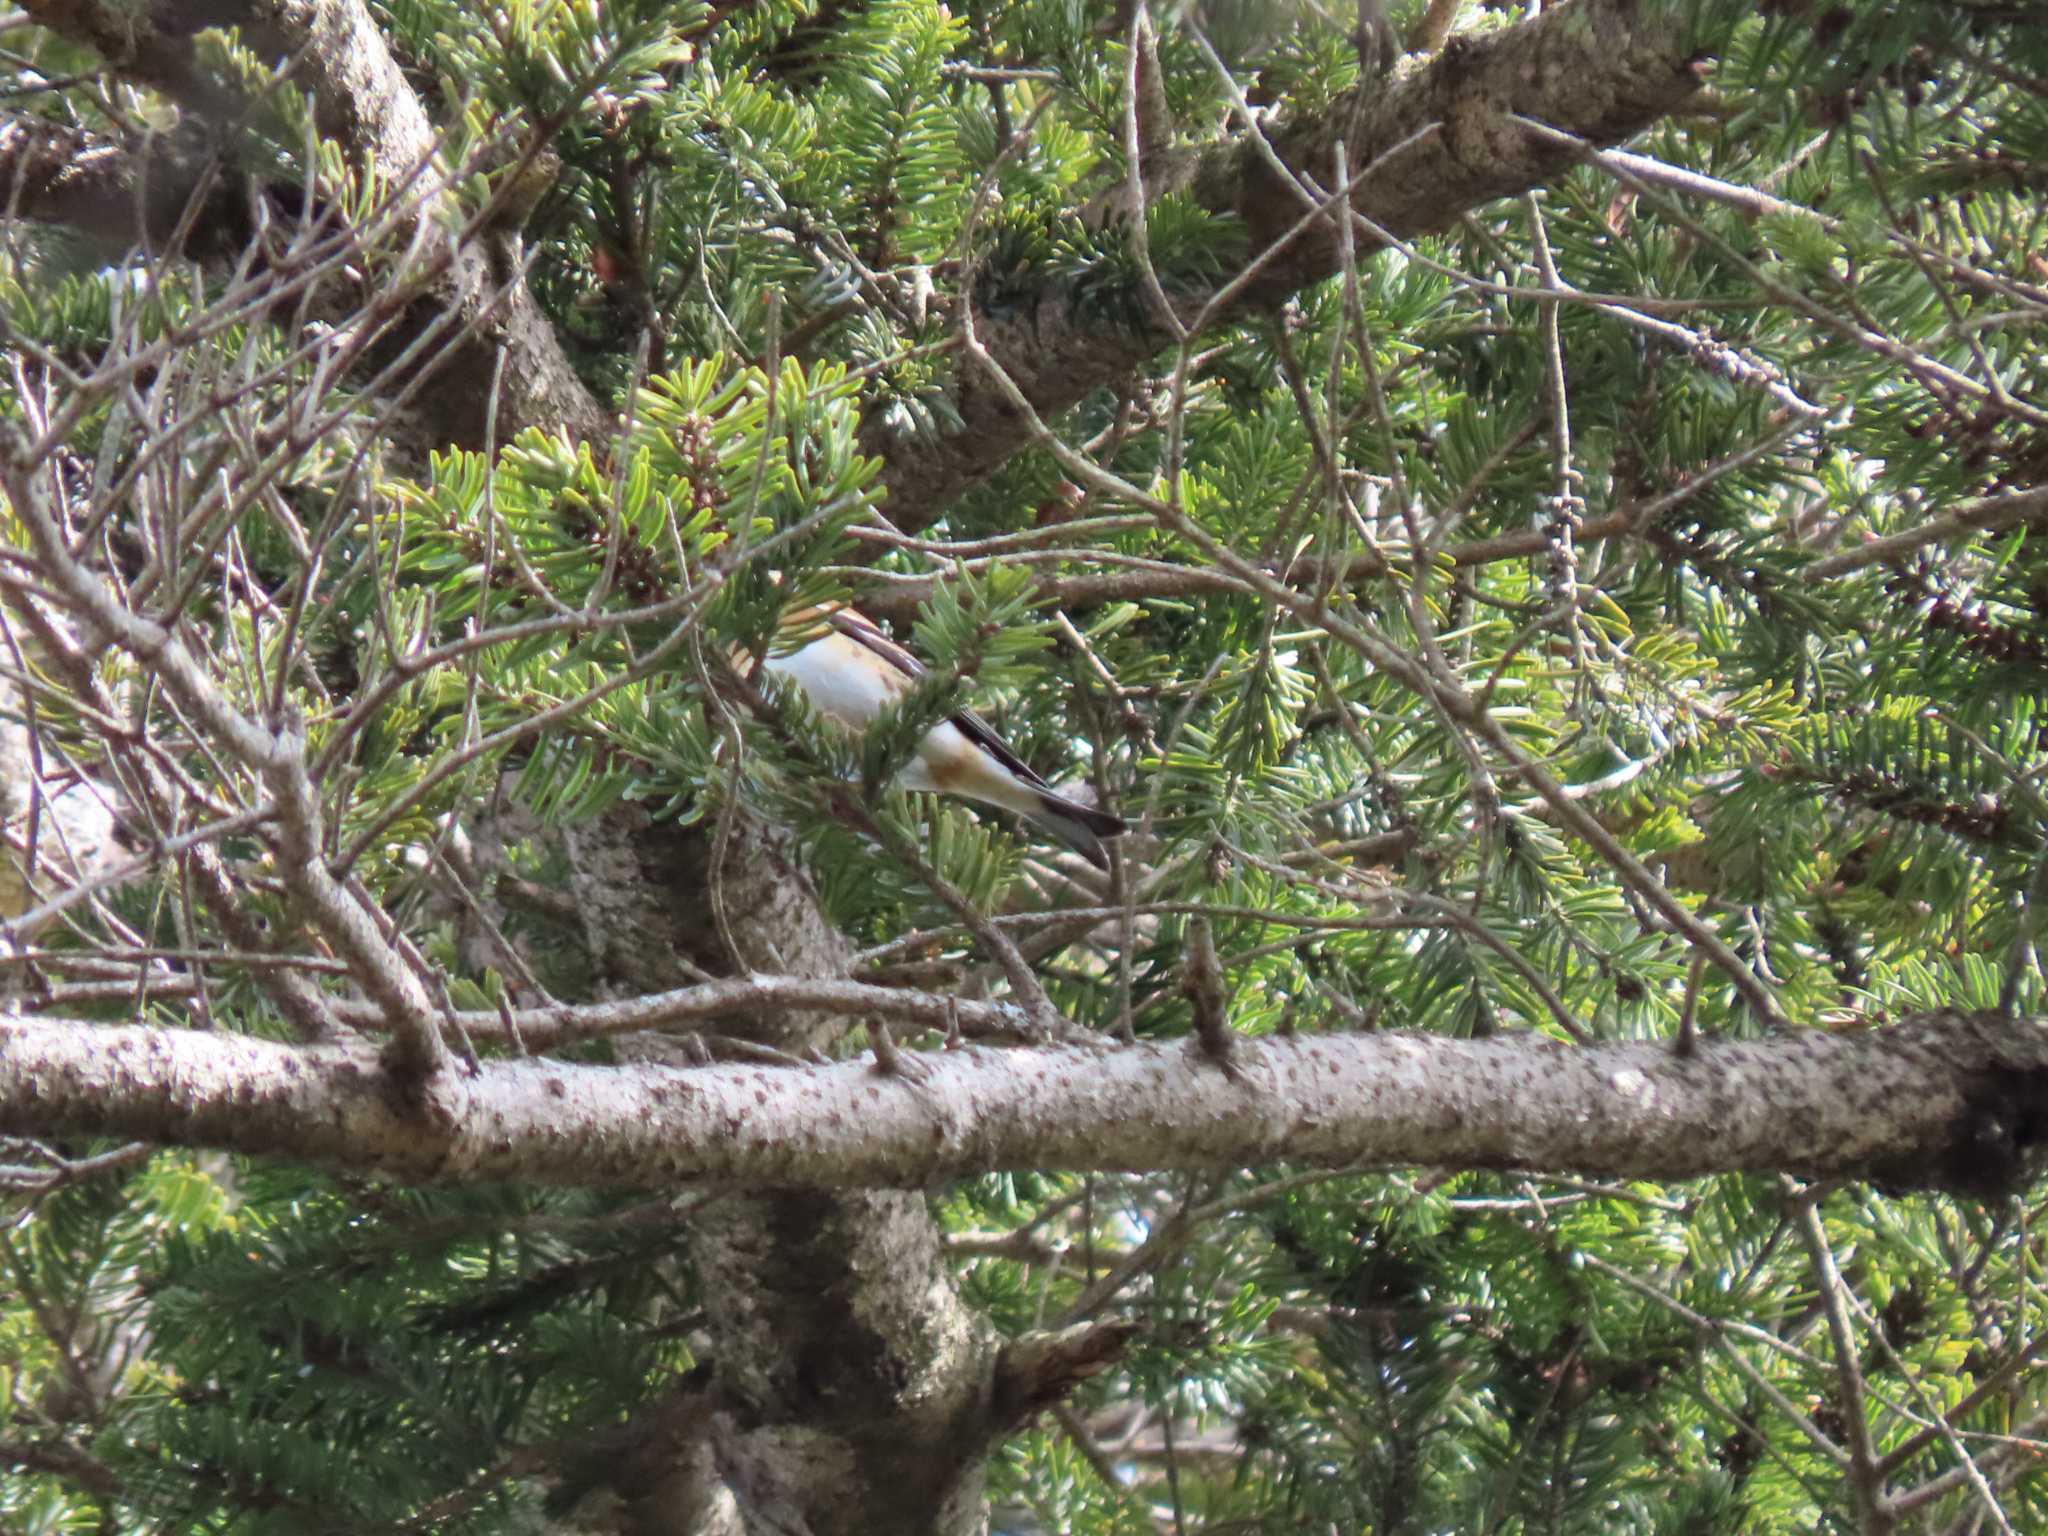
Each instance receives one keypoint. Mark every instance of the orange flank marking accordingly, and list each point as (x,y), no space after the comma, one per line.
(956,770)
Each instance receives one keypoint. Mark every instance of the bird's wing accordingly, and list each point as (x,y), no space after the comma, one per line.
(863,632)
(858,627)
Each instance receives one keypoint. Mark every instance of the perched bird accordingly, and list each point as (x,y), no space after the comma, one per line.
(851,671)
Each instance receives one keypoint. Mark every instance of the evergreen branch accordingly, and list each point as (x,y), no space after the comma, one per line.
(2015,1456)
(334,50)
(1866,1480)
(277,756)
(1945,1100)
(1984,514)
(1598,70)
(1124,579)
(1983,820)
(66,1461)
(1997,1378)
(1971,623)
(1422,677)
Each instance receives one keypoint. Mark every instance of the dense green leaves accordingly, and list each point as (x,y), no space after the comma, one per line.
(758,229)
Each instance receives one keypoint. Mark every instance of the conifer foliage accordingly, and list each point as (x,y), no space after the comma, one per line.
(1535,515)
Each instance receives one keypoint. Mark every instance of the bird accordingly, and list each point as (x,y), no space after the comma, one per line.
(851,671)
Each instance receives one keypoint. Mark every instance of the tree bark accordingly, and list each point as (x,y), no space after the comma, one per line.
(1949,1100)
(488,345)
(847,1388)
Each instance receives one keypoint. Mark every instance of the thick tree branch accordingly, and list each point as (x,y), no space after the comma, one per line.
(1950,1100)
(474,313)
(1987,514)
(1426,148)
(110,198)
(851,1389)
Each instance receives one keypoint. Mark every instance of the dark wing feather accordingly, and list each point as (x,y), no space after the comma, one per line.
(969,724)
(978,731)
(854,627)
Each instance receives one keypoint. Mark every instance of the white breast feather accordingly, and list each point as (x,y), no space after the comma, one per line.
(842,679)
(847,682)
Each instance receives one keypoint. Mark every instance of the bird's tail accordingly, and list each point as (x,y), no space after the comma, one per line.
(1080,827)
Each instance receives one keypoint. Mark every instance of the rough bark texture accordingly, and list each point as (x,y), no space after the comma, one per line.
(108,199)
(1959,1101)
(849,1389)
(490,339)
